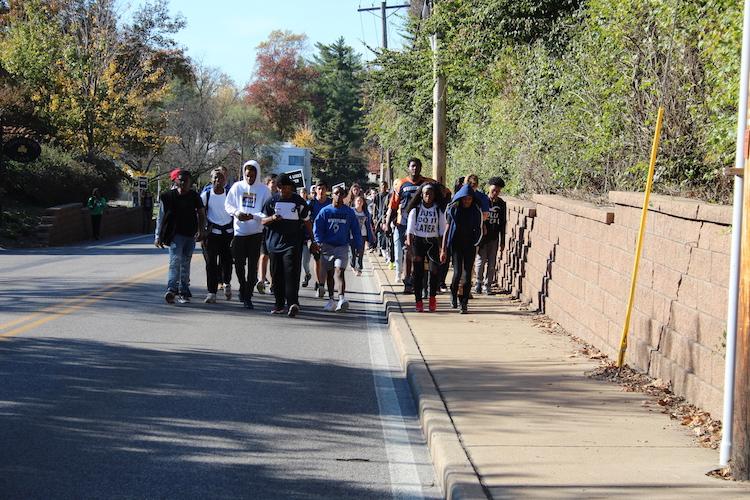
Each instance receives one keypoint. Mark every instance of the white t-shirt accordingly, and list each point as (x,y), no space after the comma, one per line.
(362,218)
(429,224)
(215,212)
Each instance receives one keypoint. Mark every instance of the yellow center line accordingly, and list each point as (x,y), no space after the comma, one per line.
(69,306)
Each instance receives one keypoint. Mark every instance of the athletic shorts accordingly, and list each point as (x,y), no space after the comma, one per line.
(427,248)
(334,256)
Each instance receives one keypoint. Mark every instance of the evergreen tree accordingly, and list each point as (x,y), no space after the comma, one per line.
(337,112)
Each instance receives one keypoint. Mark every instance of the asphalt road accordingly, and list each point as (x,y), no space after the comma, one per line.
(108,392)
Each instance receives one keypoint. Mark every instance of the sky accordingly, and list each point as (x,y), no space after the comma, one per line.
(224,33)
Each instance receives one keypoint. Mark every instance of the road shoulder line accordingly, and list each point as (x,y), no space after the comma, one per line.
(455,473)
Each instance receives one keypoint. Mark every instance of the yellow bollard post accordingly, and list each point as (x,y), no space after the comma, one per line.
(639,245)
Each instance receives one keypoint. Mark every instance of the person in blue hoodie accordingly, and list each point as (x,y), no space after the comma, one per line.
(463,232)
(336,228)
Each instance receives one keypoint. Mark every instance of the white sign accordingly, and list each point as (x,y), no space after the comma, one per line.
(341,185)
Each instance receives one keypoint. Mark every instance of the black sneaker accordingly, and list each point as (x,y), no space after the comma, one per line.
(306,281)
(293,310)
(478,289)
(169,297)
(248,303)
(464,309)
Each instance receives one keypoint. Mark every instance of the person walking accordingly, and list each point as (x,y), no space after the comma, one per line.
(493,238)
(179,225)
(217,250)
(403,191)
(335,229)
(365,230)
(306,197)
(226,267)
(96,205)
(320,201)
(462,234)
(287,220)
(273,187)
(244,202)
(424,234)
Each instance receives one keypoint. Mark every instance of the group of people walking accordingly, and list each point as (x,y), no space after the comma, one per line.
(256,222)
(252,221)
(423,228)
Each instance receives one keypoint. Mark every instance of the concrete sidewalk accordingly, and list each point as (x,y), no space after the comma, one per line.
(508,413)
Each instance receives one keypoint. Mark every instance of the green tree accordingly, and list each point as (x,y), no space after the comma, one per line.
(337,112)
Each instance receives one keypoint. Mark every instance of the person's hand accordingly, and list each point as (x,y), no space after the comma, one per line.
(314,247)
(244,217)
(443,257)
(276,217)
(158,243)
(200,235)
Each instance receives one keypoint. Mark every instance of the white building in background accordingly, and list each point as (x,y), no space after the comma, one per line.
(288,158)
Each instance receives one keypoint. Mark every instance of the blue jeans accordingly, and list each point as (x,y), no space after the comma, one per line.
(180,255)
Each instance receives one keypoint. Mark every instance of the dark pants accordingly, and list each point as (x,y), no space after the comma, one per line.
(96,226)
(425,250)
(246,252)
(285,269)
(357,256)
(218,255)
(463,265)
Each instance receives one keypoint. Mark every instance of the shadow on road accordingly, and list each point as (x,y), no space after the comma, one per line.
(85,419)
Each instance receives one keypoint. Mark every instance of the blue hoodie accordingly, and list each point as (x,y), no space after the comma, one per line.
(470,219)
(337,227)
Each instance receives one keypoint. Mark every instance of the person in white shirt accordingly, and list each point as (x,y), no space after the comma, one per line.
(244,202)
(219,230)
(424,230)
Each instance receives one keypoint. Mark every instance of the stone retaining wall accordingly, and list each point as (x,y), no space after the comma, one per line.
(71,223)
(573,261)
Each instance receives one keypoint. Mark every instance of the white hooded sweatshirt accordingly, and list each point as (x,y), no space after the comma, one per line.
(249,199)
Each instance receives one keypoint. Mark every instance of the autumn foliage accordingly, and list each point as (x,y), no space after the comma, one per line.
(279,88)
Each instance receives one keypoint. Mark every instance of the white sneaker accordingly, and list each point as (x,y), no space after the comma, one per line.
(210,298)
(330,306)
(228,291)
(343,305)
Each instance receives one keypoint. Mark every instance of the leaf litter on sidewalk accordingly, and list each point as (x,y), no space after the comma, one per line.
(705,429)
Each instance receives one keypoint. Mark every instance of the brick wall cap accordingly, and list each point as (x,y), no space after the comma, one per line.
(68,206)
(576,207)
(686,208)
(525,207)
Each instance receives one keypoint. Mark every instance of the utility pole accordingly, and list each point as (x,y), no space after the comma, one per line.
(741,434)
(438,103)
(386,173)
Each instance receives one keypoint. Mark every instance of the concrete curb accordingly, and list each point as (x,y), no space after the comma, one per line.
(456,475)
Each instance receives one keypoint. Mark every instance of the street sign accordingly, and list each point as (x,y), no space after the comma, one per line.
(340,184)
(298,177)
(142,182)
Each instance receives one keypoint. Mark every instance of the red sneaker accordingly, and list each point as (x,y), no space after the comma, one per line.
(419,306)
(433,304)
